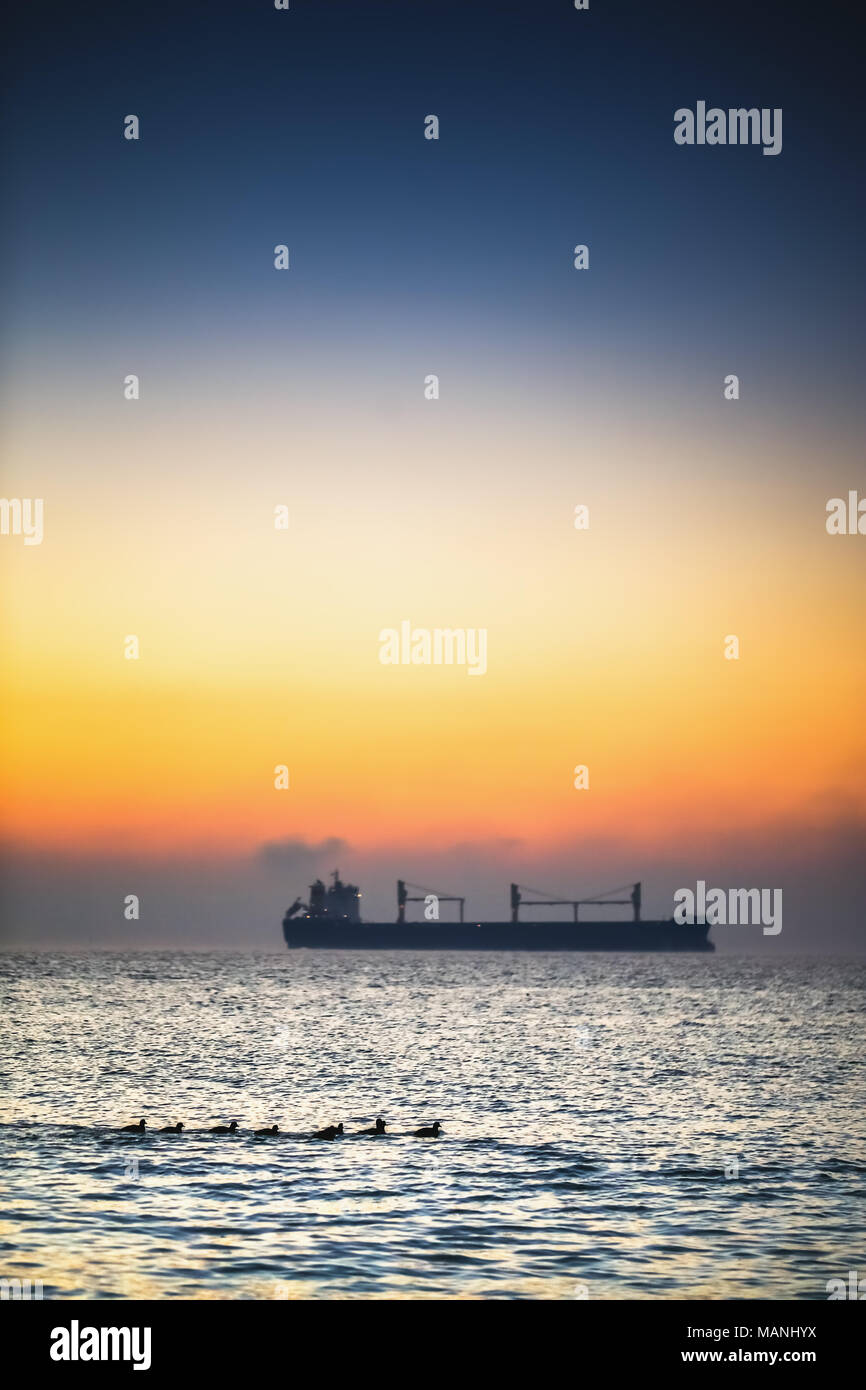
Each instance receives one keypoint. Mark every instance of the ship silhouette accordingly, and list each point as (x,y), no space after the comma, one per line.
(331,921)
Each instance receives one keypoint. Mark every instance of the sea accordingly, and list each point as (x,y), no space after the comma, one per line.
(612,1126)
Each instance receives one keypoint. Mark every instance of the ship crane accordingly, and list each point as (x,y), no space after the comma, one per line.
(543,899)
(403,898)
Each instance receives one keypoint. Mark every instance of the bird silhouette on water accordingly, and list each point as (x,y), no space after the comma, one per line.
(329,1132)
(377,1128)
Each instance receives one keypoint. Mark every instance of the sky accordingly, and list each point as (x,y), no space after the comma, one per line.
(305,389)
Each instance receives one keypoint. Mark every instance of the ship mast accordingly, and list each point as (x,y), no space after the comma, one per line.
(403,898)
(543,899)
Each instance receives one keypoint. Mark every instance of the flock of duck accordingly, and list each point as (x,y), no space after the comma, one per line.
(329,1132)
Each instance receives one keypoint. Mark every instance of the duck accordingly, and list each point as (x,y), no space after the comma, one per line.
(377,1128)
(428,1132)
(172,1129)
(133,1129)
(274,1129)
(225,1129)
(329,1132)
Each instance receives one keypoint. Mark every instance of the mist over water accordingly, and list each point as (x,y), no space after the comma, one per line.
(591,1106)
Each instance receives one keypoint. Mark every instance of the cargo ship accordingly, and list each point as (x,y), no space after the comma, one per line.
(331,921)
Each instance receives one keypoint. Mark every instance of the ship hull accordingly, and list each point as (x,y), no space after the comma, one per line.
(303,933)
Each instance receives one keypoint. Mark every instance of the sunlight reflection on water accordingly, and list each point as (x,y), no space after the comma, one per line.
(637,1126)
